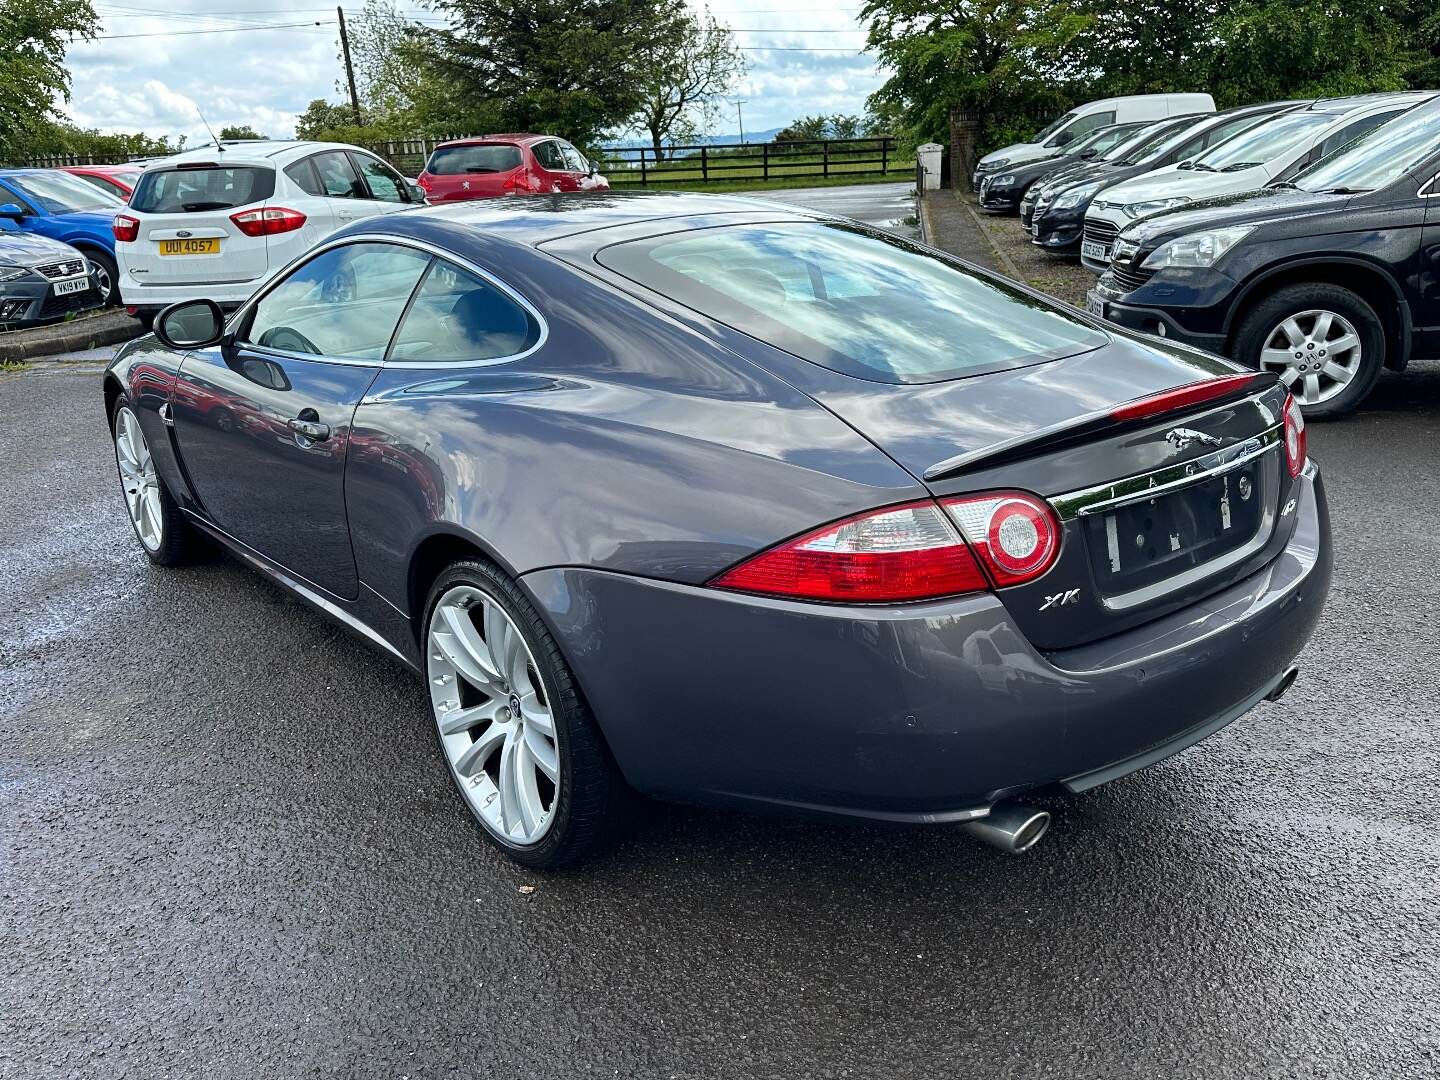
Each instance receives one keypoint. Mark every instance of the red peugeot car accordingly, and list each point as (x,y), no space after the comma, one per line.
(507,165)
(117,180)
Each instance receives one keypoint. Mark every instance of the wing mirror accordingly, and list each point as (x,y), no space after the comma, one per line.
(11,210)
(593,170)
(417,193)
(190,324)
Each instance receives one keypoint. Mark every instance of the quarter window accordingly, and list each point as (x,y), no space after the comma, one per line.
(303,173)
(1350,132)
(338,178)
(345,302)
(458,316)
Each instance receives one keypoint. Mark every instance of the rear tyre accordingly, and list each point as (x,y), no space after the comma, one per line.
(1325,342)
(107,277)
(165,536)
(520,742)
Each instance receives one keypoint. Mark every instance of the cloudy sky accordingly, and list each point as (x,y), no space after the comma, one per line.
(256,62)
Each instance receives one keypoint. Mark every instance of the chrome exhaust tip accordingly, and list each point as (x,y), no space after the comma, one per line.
(1286,681)
(1011,827)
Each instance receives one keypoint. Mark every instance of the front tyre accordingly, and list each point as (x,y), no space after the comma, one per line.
(164,534)
(107,277)
(518,738)
(1325,342)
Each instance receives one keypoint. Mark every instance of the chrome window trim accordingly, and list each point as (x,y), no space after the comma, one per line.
(1431,188)
(243,311)
(1165,480)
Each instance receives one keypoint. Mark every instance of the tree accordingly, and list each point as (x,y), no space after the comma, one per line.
(961,64)
(34,35)
(806,129)
(685,77)
(240,131)
(385,76)
(562,66)
(321,118)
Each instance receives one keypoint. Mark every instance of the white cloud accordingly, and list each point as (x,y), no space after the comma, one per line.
(266,77)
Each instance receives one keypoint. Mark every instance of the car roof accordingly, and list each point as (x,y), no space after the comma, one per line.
(524,137)
(1362,101)
(536,219)
(253,151)
(104,170)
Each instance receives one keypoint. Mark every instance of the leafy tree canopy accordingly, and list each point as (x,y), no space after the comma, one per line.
(239,131)
(33,37)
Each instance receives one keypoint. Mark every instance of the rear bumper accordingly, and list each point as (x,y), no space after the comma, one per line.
(916,713)
(155,297)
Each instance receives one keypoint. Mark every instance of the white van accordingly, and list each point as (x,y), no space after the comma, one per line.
(1084,119)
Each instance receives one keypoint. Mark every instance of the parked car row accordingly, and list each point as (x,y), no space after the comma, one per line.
(222,219)
(1295,236)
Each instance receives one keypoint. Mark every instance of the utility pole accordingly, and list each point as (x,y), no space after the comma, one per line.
(740,117)
(349,68)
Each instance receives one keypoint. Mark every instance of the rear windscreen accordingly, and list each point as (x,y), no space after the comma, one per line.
(854,301)
(193,190)
(485,158)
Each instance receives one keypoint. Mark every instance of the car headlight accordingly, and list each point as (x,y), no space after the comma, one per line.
(991,166)
(1153,206)
(1008,180)
(10,273)
(1197,249)
(1074,197)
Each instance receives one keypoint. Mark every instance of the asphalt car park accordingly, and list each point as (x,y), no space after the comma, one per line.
(230,849)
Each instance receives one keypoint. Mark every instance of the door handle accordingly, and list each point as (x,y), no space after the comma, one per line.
(308,425)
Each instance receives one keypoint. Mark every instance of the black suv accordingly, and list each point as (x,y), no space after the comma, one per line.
(1325,279)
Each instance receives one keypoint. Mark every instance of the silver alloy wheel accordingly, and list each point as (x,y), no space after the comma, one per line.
(102,282)
(1316,354)
(138,479)
(493,714)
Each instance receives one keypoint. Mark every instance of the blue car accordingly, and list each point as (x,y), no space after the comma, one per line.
(65,208)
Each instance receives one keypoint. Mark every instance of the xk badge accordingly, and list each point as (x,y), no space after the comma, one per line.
(1060,599)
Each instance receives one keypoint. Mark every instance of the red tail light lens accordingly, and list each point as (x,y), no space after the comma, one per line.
(268,222)
(1016,535)
(125,228)
(520,182)
(1296,451)
(425,182)
(1181,397)
(908,552)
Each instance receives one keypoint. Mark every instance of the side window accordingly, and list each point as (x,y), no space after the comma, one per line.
(550,156)
(459,316)
(338,178)
(574,160)
(344,302)
(303,173)
(1082,126)
(1351,132)
(384,182)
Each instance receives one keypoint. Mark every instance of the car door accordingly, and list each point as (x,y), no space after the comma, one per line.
(263,420)
(1426,315)
(554,174)
(345,193)
(388,191)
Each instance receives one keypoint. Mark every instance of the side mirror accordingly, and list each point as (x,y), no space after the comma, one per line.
(593,170)
(1088,154)
(1064,138)
(11,210)
(417,193)
(190,324)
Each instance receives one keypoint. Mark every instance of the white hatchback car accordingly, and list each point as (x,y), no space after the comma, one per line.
(1273,150)
(217,221)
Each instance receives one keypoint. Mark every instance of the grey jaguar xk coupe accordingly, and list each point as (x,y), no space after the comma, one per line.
(738,504)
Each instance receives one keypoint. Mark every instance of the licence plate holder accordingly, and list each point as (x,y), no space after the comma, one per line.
(74,285)
(209,245)
(1093,250)
(1094,305)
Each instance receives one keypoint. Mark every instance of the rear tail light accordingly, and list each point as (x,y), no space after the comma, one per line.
(908,552)
(1182,397)
(268,222)
(424,181)
(1295,448)
(1016,535)
(519,182)
(125,228)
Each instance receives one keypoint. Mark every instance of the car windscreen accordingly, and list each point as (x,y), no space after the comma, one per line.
(482,158)
(1052,127)
(1264,142)
(1172,138)
(1102,139)
(61,193)
(862,303)
(1379,157)
(1136,141)
(194,189)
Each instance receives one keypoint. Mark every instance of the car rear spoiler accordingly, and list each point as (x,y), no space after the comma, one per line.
(1176,401)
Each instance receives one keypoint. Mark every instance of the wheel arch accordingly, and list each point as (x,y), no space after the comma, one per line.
(435,551)
(1360,276)
(113,390)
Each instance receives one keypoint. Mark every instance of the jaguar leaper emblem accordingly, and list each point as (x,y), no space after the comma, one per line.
(1181,437)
